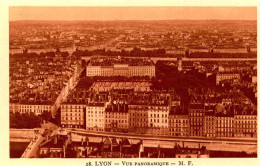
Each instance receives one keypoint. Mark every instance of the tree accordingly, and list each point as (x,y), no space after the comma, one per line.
(46,116)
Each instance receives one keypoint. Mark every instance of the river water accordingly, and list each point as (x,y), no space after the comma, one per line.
(17,149)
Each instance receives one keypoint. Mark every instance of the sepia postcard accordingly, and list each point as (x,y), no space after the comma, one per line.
(130,85)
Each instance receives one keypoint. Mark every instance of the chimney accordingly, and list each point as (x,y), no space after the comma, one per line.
(87,141)
(140,148)
(120,148)
(64,151)
(82,142)
(111,145)
(55,139)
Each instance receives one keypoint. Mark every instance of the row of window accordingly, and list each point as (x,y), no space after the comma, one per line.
(96,120)
(154,108)
(94,129)
(157,120)
(116,121)
(95,125)
(158,115)
(245,117)
(99,72)
(178,134)
(71,110)
(73,106)
(70,118)
(245,131)
(119,116)
(179,130)
(116,125)
(245,126)
(71,114)
(34,111)
(35,106)
(179,125)
(117,113)
(224,130)
(224,125)
(96,116)
(196,114)
(96,108)
(245,122)
(178,121)
(96,112)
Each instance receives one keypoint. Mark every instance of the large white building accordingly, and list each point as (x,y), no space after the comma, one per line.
(158,116)
(228,76)
(158,119)
(94,71)
(121,70)
(36,108)
(95,117)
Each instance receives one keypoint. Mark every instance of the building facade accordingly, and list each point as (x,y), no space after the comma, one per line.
(138,119)
(158,116)
(95,117)
(73,115)
(209,125)
(245,125)
(178,125)
(116,118)
(227,76)
(36,108)
(224,126)
(196,118)
(120,70)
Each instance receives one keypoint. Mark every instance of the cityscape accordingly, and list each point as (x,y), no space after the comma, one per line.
(133,89)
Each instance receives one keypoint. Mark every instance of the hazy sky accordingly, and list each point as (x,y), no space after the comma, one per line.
(132,13)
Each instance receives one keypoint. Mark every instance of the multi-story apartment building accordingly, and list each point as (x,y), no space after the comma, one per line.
(209,124)
(245,125)
(116,117)
(138,118)
(121,70)
(73,115)
(224,125)
(178,124)
(107,71)
(158,116)
(117,67)
(95,116)
(196,118)
(232,67)
(94,71)
(141,71)
(34,107)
